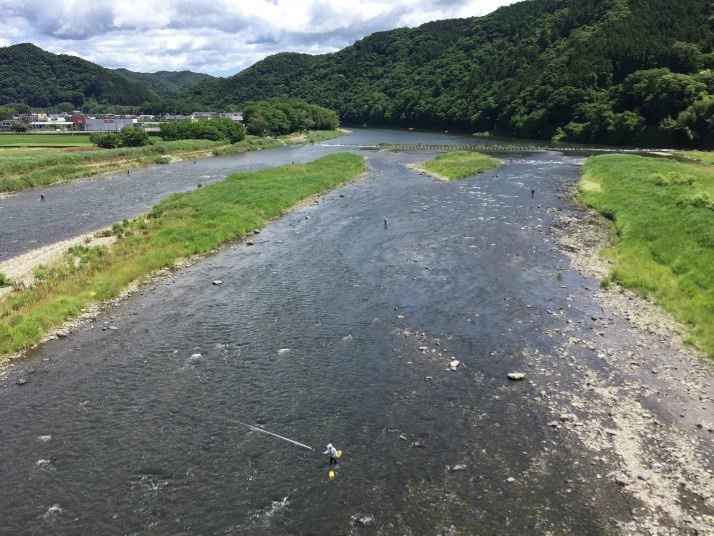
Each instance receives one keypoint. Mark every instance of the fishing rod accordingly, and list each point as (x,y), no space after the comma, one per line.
(276,435)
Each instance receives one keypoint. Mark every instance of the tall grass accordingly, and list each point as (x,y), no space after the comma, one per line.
(460,164)
(665,229)
(180,226)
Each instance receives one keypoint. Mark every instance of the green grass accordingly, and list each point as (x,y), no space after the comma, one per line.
(705,157)
(180,226)
(25,168)
(44,140)
(664,218)
(460,164)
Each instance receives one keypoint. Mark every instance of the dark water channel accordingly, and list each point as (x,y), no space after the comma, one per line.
(330,329)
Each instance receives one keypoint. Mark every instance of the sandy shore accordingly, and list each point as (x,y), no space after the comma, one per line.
(20,269)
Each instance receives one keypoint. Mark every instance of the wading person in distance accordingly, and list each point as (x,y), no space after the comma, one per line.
(332,453)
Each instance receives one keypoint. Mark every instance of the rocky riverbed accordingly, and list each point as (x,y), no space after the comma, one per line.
(395,343)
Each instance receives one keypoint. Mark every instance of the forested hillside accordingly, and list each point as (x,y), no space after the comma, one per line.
(31,76)
(616,71)
(165,83)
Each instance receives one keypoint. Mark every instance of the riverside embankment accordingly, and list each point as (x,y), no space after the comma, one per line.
(333,328)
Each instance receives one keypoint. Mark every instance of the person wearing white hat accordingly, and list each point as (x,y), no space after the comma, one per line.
(332,453)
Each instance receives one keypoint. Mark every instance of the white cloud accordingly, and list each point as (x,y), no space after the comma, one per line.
(213,36)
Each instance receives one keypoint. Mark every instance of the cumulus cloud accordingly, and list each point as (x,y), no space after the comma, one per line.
(214,36)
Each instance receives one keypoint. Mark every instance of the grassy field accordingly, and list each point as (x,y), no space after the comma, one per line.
(664,216)
(180,226)
(705,157)
(21,169)
(45,140)
(461,164)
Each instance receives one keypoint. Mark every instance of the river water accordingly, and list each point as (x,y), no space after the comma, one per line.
(331,328)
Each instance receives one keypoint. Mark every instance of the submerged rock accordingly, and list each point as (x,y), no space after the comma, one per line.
(363,520)
(21,381)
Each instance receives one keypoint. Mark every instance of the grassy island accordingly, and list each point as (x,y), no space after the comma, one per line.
(663,212)
(181,226)
(458,165)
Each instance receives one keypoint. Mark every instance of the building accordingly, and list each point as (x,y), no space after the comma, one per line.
(203,115)
(93,124)
(6,124)
(233,116)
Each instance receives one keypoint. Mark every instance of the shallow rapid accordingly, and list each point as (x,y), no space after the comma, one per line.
(332,328)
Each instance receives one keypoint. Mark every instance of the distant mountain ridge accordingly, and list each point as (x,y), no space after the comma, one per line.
(616,71)
(40,79)
(165,83)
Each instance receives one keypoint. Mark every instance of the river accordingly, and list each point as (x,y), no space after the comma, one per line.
(332,328)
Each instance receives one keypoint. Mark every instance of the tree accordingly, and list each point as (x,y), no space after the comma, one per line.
(106,140)
(133,137)
(6,112)
(20,127)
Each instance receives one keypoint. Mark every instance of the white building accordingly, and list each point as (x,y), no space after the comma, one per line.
(92,124)
(233,116)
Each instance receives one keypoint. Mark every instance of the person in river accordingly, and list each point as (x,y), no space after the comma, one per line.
(42,197)
(532,193)
(386,222)
(332,453)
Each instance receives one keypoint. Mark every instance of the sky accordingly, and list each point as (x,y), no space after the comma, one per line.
(218,37)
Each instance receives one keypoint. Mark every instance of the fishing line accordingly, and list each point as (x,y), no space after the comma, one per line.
(276,435)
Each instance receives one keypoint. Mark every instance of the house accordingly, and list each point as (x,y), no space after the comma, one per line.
(233,116)
(6,124)
(107,124)
(203,115)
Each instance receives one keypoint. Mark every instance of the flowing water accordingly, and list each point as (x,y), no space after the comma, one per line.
(332,328)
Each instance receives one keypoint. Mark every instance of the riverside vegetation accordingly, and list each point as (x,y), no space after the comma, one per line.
(459,164)
(21,169)
(181,226)
(663,212)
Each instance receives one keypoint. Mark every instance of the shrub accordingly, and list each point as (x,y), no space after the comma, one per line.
(699,200)
(106,140)
(133,137)
(5,281)
(673,178)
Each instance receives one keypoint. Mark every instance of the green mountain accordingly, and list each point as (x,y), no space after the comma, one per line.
(617,71)
(41,79)
(165,83)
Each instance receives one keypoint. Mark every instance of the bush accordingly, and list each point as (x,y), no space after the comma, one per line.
(700,200)
(5,281)
(133,137)
(673,178)
(19,127)
(106,140)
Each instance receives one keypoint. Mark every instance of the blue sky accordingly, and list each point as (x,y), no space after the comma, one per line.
(218,37)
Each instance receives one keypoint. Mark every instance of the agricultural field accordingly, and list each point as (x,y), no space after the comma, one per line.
(44,140)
